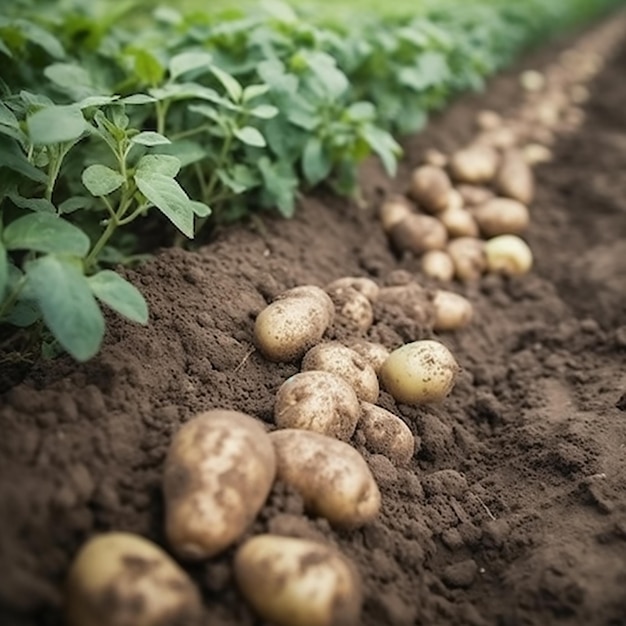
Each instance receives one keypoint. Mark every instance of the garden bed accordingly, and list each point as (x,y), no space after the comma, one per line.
(532,529)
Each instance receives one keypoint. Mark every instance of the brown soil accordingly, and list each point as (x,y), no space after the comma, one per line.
(514,510)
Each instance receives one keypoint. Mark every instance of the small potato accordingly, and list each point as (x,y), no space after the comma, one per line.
(430,187)
(337,359)
(385,433)
(121,579)
(501,216)
(452,311)
(419,372)
(438,264)
(488,120)
(476,164)
(293,323)
(459,223)
(509,255)
(455,200)
(219,469)
(319,401)
(363,285)
(532,80)
(535,153)
(353,309)
(374,353)
(499,138)
(474,195)
(394,210)
(298,582)
(468,256)
(418,233)
(412,299)
(330,475)
(515,179)
(435,157)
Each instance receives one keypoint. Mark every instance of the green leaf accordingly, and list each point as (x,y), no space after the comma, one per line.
(238,178)
(264,111)
(5,49)
(186,151)
(150,138)
(123,297)
(384,145)
(101,180)
(4,270)
(280,10)
(169,197)
(188,61)
(68,76)
(250,136)
(7,117)
(138,98)
(315,163)
(280,185)
(147,67)
(200,209)
(38,205)
(44,232)
(231,84)
(75,203)
(254,91)
(42,38)
(56,124)
(12,157)
(68,306)
(159,163)
(96,101)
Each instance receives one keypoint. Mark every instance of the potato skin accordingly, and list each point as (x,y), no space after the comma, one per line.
(452,311)
(298,582)
(219,470)
(412,299)
(393,210)
(318,401)
(515,178)
(501,216)
(459,223)
(363,285)
(374,353)
(476,164)
(121,579)
(509,255)
(474,195)
(331,476)
(418,233)
(430,187)
(353,308)
(468,257)
(438,265)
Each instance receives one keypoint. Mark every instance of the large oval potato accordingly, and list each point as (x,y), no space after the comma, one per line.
(459,223)
(298,582)
(476,164)
(219,470)
(515,178)
(353,308)
(418,233)
(501,216)
(330,475)
(121,579)
(452,311)
(338,359)
(319,401)
(430,187)
(293,323)
(385,433)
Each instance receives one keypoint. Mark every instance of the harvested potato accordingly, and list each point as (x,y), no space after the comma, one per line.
(298,582)
(532,80)
(499,138)
(394,210)
(418,233)
(430,187)
(488,120)
(508,254)
(535,153)
(293,323)
(468,257)
(435,157)
(515,179)
(385,433)
(476,164)
(438,264)
(363,285)
(338,359)
(219,470)
(474,195)
(412,299)
(374,353)
(501,216)
(353,309)
(319,401)
(121,579)
(419,372)
(455,200)
(330,475)
(452,311)
(459,223)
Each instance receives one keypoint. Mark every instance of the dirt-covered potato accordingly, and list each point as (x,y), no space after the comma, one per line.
(474,195)
(411,299)
(435,157)
(501,216)
(508,254)
(352,307)
(430,187)
(219,470)
(498,138)
(515,178)
(468,257)
(532,80)
(459,223)
(319,401)
(363,285)
(330,475)
(419,372)
(488,120)
(293,323)
(418,233)
(452,311)
(535,153)
(385,433)
(476,164)
(338,359)
(298,582)
(393,210)
(438,264)
(121,579)
(374,353)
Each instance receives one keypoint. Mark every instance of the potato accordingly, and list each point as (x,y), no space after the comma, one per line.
(501,216)
(330,475)
(536,153)
(121,579)
(293,323)
(393,210)
(476,164)
(508,254)
(531,80)
(387,434)
(438,264)
(318,401)
(499,138)
(419,372)
(488,120)
(474,195)
(353,309)
(459,223)
(219,470)
(298,582)
(468,257)
(435,157)
(430,187)
(374,353)
(363,285)
(515,179)
(452,311)
(412,299)
(418,233)
(337,359)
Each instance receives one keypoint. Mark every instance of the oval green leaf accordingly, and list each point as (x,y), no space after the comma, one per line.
(116,292)
(150,138)
(101,180)
(56,124)
(250,136)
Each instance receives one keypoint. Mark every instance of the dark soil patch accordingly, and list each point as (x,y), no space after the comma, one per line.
(514,510)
